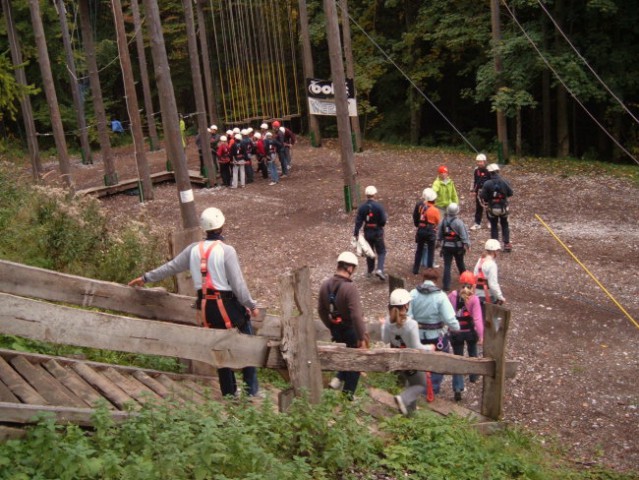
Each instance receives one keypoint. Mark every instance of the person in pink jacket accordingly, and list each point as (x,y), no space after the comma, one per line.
(471,325)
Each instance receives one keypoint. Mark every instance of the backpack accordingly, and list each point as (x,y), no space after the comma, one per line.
(452,240)
(333,314)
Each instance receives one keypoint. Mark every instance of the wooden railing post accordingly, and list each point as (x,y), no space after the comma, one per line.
(298,346)
(495,328)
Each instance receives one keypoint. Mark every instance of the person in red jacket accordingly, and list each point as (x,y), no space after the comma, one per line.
(224,159)
(260,151)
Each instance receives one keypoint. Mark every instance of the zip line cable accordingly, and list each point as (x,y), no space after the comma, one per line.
(619,101)
(572,94)
(411,82)
(574,257)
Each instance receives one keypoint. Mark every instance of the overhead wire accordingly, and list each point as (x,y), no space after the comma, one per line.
(563,83)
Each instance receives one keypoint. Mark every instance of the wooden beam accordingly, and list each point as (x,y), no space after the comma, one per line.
(496,326)
(74,382)
(106,387)
(19,413)
(18,386)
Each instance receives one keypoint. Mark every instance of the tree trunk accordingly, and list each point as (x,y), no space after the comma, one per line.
(78,103)
(110,175)
(52,98)
(198,91)
(144,76)
(25,103)
(170,115)
(350,70)
(546,107)
(307,65)
(415,117)
(206,63)
(132,103)
(518,133)
(563,137)
(341,105)
(502,128)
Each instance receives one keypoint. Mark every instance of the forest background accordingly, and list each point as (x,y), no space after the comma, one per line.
(444,47)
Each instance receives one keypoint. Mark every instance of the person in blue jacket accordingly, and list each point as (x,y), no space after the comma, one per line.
(372,217)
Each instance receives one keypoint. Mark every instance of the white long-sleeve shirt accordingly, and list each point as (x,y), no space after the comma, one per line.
(489,267)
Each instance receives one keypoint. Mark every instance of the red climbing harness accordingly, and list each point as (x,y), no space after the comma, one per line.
(209,292)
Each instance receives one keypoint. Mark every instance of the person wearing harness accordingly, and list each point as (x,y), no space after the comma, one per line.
(224,159)
(486,274)
(445,189)
(223,299)
(454,241)
(372,216)
(340,309)
(480,175)
(495,194)
(401,331)
(433,312)
(426,217)
(471,325)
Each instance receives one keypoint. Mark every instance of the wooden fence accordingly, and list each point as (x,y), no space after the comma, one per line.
(152,321)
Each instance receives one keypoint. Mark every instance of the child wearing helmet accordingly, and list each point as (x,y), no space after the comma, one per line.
(486,274)
(471,325)
(480,176)
(453,238)
(426,217)
(401,331)
(445,189)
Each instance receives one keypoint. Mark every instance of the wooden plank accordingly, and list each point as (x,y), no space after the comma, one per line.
(76,384)
(152,383)
(59,324)
(285,399)
(130,386)
(34,282)
(124,185)
(19,413)
(6,395)
(298,345)
(106,387)
(208,392)
(10,433)
(53,391)
(177,390)
(496,326)
(19,386)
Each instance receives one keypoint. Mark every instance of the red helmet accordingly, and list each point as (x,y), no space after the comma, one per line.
(276,124)
(467,277)
(442,169)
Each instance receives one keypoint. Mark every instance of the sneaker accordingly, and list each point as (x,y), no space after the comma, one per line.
(475,227)
(336,383)
(458,396)
(381,275)
(508,247)
(283,175)
(272,183)
(400,405)
(436,265)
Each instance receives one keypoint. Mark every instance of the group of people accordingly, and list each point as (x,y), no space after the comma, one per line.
(236,152)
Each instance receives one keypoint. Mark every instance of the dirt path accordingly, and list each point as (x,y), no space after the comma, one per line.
(577,383)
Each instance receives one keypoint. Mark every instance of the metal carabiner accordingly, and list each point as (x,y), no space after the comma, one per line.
(440,343)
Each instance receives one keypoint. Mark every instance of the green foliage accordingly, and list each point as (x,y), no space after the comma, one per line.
(11,92)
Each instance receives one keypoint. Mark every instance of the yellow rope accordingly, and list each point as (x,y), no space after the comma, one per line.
(587,271)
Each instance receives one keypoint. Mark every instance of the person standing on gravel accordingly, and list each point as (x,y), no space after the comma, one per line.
(454,241)
(487,276)
(495,194)
(340,309)
(480,175)
(426,217)
(372,216)
(445,189)
(223,299)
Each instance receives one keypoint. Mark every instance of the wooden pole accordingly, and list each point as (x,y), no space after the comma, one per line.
(496,326)
(25,102)
(144,77)
(78,104)
(307,65)
(341,104)
(198,92)
(132,103)
(49,91)
(350,70)
(170,115)
(502,129)
(110,175)
(206,63)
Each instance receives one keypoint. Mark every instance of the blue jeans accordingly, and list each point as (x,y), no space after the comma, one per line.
(436,378)
(458,349)
(347,335)
(272,168)
(285,159)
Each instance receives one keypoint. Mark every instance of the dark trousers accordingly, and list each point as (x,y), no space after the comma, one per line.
(248,168)
(347,335)
(479,210)
(262,166)
(448,255)
(225,173)
(457,342)
(442,344)
(424,238)
(375,238)
(494,227)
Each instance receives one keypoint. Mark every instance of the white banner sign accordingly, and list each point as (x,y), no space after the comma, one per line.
(318,106)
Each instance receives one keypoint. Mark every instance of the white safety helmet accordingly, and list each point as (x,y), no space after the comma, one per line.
(269,134)
(264,126)
(249,130)
(236,130)
(238,136)
(229,133)
(257,135)
(348,257)
(480,157)
(493,167)
(399,297)
(223,138)
(452,209)
(244,131)
(370,191)
(212,128)
(211,219)
(492,245)
(282,129)
(429,194)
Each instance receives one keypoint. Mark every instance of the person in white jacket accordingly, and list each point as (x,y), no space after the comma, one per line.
(401,331)
(487,275)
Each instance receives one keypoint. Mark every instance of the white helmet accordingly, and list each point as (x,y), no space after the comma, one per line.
(399,297)
(244,131)
(264,126)
(249,130)
(370,191)
(236,130)
(269,134)
(282,129)
(211,219)
(257,135)
(493,167)
(348,257)
(492,245)
(212,128)
(238,136)
(223,138)
(452,209)
(480,157)
(429,194)
(229,133)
